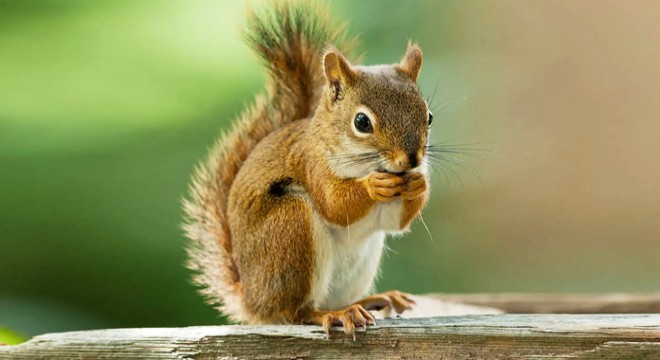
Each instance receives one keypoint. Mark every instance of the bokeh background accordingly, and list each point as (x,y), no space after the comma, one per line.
(105,107)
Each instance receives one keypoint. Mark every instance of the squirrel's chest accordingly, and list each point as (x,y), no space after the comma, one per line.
(347,258)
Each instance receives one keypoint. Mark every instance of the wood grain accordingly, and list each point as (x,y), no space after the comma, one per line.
(504,336)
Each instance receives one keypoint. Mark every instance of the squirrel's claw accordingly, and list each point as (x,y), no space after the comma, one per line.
(350,318)
(388,301)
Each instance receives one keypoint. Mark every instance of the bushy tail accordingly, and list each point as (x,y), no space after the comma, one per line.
(289,37)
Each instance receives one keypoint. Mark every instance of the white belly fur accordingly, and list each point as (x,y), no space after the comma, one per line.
(347,258)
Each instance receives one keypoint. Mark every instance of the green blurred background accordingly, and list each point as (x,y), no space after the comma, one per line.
(105,107)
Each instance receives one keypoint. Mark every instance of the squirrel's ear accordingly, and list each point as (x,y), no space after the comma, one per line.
(411,63)
(338,71)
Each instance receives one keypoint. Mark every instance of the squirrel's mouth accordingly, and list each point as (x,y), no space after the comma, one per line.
(383,170)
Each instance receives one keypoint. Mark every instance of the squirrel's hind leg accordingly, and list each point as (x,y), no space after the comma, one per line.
(275,255)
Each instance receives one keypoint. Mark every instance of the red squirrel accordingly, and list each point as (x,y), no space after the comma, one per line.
(288,215)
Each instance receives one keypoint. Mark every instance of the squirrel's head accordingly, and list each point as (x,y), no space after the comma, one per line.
(378,112)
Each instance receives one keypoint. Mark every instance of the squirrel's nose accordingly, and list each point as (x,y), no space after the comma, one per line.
(413,160)
(407,161)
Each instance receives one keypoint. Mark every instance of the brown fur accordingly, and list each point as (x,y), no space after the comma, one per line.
(251,207)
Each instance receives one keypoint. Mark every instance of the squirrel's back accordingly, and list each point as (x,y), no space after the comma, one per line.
(289,37)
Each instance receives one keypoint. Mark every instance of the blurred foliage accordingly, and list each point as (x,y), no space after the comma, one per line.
(9,337)
(105,107)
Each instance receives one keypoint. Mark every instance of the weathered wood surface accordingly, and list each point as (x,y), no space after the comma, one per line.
(507,336)
(612,303)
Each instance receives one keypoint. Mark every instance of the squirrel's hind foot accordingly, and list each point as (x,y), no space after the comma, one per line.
(350,318)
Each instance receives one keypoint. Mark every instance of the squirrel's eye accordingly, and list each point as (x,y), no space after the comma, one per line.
(362,123)
(430,118)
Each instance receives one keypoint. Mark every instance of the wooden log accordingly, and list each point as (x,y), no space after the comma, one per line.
(612,303)
(504,336)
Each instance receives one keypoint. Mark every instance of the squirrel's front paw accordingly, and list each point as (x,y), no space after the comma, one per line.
(384,186)
(415,185)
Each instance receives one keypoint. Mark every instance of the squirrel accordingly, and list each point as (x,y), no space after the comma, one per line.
(288,216)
